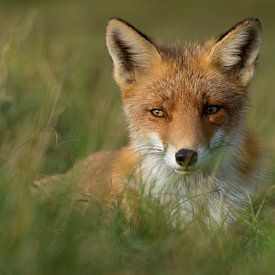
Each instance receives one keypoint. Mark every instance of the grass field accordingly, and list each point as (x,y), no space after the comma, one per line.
(58,103)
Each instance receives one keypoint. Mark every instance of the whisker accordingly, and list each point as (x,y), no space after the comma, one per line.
(149,149)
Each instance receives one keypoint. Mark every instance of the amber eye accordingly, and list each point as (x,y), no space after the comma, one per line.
(158,113)
(211,109)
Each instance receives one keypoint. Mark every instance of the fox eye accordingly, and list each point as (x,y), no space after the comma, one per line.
(158,113)
(211,109)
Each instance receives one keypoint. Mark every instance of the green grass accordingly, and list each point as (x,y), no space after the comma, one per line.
(59,103)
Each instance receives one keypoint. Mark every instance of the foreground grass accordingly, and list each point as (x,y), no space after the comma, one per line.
(55,237)
(58,103)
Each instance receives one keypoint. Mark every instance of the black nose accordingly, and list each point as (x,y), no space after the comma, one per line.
(185,157)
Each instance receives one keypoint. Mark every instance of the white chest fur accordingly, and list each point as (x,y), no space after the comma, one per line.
(216,198)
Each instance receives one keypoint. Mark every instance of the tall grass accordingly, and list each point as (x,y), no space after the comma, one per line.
(58,103)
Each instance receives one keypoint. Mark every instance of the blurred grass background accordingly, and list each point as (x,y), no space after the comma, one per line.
(59,103)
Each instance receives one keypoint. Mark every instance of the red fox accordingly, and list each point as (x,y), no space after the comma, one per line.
(185,106)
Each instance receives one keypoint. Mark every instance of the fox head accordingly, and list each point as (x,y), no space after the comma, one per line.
(184,103)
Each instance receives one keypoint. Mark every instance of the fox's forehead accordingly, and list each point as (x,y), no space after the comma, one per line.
(183,70)
(181,83)
(183,54)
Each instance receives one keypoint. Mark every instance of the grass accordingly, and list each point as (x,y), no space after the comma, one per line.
(58,103)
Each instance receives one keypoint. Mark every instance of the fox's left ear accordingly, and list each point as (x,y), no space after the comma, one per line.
(132,52)
(236,51)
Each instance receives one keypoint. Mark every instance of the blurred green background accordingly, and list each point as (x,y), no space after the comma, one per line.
(58,103)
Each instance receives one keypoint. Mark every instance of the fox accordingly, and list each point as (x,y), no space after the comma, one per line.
(185,106)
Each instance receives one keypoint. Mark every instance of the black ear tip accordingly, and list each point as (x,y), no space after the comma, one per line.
(252,20)
(113,19)
(256,19)
(117,20)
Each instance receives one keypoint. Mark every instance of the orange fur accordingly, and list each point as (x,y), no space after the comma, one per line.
(251,155)
(189,98)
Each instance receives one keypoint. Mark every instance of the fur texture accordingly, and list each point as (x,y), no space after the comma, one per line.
(190,97)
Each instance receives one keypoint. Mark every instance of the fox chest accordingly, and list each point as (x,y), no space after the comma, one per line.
(195,195)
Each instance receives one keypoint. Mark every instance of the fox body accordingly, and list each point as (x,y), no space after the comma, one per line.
(185,106)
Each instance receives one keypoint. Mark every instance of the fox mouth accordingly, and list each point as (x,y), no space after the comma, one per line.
(185,170)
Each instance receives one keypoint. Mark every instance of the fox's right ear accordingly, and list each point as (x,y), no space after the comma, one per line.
(132,52)
(236,51)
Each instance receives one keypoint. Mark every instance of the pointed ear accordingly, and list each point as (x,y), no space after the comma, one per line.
(236,51)
(132,52)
